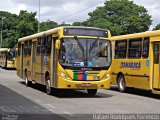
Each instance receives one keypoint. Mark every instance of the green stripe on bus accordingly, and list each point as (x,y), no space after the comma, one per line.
(75,75)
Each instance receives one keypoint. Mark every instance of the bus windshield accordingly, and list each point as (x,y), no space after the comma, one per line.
(85,52)
(11,55)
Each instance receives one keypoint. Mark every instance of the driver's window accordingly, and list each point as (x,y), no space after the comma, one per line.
(105,50)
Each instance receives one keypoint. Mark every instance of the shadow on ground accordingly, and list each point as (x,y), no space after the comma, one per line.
(9,68)
(68,93)
(138,92)
(13,105)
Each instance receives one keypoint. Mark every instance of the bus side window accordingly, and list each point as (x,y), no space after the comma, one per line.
(156,54)
(39,46)
(145,48)
(19,49)
(43,45)
(135,48)
(25,48)
(120,49)
(48,45)
(29,47)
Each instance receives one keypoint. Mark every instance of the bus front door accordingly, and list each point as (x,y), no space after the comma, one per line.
(156,65)
(21,62)
(33,60)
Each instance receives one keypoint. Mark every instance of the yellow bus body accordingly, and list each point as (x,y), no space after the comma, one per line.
(138,64)
(38,67)
(5,61)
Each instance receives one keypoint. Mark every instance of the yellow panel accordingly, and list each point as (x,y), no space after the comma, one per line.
(156,76)
(141,82)
(114,80)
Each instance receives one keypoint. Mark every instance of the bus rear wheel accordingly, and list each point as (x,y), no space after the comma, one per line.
(92,91)
(48,86)
(121,83)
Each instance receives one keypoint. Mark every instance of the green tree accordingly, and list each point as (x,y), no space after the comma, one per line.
(77,24)
(27,24)
(157,27)
(47,25)
(121,17)
(64,24)
(9,32)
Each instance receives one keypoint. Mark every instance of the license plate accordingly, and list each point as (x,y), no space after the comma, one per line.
(86,85)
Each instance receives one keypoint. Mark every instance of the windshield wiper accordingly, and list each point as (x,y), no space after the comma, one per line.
(79,43)
(93,45)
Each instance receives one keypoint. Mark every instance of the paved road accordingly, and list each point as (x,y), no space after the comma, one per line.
(15,98)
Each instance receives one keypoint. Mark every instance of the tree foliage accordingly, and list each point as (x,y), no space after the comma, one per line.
(27,24)
(48,25)
(17,26)
(9,32)
(121,17)
(157,27)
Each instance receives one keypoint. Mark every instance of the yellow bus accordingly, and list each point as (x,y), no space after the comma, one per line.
(136,61)
(66,58)
(7,58)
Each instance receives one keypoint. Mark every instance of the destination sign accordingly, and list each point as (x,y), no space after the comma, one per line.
(85,32)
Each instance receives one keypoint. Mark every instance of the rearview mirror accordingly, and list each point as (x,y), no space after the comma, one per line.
(58,44)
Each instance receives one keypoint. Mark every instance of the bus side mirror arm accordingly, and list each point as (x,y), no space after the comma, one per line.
(58,44)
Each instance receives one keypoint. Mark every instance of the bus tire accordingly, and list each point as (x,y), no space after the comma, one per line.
(26,79)
(48,86)
(92,91)
(121,83)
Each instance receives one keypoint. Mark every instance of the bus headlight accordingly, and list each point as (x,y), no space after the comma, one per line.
(106,76)
(63,75)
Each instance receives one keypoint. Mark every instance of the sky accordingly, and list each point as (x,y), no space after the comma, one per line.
(68,10)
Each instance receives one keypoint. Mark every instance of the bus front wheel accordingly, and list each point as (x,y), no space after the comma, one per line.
(48,86)
(26,79)
(92,91)
(121,83)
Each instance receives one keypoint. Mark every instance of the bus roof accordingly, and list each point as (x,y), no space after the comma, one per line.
(136,35)
(54,30)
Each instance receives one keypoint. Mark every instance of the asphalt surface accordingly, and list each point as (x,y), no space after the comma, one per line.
(19,101)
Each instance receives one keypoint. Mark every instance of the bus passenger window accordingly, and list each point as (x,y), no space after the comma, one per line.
(120,49)
(156,54)
(135,48)
(25,48)
(39,46)
(29,47)
(43,45)
(145,48)
(48,45)
(19,49)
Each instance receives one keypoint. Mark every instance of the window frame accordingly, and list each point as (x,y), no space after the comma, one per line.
(25,49)
(48,45)
(38,53)
(129,48)
(117,42)
(29,47)
(155,56)
(146,38)
(42,42)
(19,49)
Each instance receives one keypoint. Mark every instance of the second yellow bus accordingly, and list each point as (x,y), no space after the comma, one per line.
(136,61)
(7,58)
